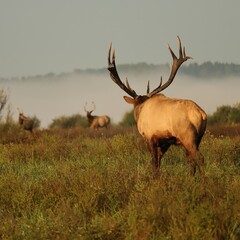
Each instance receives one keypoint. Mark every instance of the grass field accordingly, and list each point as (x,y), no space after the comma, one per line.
(83,184)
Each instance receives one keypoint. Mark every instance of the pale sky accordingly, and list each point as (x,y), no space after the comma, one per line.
(42,36)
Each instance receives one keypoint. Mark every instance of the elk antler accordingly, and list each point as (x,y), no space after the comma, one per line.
(177,62)
(20,110)
(114,74)
(94,106)
(85,107)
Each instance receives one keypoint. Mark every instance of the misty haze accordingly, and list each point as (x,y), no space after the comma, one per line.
(52,96)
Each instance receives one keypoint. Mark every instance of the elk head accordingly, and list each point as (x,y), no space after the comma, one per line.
(164,121)
(90,117)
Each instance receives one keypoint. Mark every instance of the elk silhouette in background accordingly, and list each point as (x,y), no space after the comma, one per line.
(96,122)
(164,121)
(26,122)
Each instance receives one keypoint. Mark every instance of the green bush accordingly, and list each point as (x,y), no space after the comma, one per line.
(4,96)
(128,119)
(75,120)
(36,122)
(225,115)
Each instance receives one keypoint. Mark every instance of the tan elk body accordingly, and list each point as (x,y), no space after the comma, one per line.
(149,124)
(164,121)
(97,122)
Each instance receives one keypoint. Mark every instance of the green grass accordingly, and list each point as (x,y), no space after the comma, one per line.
(81,184)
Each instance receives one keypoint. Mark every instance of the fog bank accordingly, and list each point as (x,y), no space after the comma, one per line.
(50,97)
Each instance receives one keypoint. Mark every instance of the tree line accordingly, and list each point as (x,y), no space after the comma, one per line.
(204,70)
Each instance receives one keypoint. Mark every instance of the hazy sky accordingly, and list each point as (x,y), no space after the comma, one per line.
(42,36)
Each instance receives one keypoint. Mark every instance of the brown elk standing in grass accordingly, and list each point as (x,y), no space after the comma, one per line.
(164,121)
(26,122)
(96,122)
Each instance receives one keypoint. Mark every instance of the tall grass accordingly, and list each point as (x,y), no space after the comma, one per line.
(82,184)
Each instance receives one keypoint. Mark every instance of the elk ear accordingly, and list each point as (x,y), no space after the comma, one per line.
(129,100)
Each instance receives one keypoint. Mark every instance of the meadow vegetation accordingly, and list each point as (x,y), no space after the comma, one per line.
(79,183)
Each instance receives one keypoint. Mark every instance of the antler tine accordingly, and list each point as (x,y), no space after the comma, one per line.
(94,106)
(109,54)
(148,87)
(180,48)
(160,84)
(172,53)
(128,85)
(177,62)
(184,53)
(114,74)
(85,107)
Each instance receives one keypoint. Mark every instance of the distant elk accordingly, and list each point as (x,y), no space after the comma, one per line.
(96,122)
(26,122)
(164,121)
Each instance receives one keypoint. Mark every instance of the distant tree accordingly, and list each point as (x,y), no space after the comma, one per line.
(221,115)
(36,122)
(75,120)
(3,101)
(211,70)
(225,114)
(235,114)
(128,119)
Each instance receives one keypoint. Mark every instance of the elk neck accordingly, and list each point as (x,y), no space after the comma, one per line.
(90,117)
(139,102)
(138,105)
(21,118)
(20,121)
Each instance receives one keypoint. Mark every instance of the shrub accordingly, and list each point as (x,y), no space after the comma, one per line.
(225,114)
(75,120)
(3,101)
(128,119)
(36,122)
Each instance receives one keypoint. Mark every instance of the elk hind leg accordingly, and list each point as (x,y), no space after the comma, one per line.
(157,150)
(192,162)
(163,147)
(199,161)
(196,159)
(191,150)
(191,146)
(153,148)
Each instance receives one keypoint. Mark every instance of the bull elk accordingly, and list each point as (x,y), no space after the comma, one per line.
(96,122)
(26,122)
(164,121)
